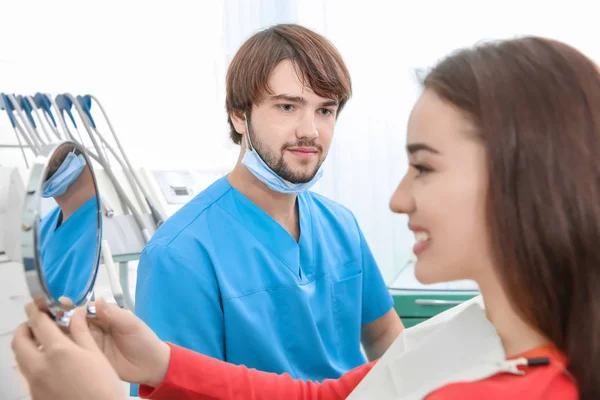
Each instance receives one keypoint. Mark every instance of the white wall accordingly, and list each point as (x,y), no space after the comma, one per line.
(155,65)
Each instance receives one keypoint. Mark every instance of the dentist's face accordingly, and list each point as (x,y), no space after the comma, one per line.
(57,159)
(292,128)
(444,193)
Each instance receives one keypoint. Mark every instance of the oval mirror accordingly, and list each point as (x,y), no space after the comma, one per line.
(61,230)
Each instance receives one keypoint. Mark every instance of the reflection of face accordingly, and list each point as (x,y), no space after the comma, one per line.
(57,159)
(444,193)
(283,128)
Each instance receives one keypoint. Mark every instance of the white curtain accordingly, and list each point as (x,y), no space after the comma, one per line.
(243,18)
(367,159)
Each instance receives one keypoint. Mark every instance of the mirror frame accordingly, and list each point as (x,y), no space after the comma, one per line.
(30,225)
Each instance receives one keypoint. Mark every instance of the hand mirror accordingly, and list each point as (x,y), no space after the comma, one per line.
(61,230)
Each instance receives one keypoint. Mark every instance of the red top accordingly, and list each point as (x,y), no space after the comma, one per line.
(193,376)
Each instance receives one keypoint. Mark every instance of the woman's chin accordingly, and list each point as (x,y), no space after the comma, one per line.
(430,276)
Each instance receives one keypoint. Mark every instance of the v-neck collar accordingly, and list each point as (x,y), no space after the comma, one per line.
(274,236)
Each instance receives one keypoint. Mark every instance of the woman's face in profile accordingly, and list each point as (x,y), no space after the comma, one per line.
(444,193)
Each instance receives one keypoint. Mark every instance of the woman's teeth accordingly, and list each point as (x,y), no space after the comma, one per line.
(421,236)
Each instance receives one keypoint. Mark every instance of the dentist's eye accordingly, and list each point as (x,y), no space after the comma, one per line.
(286,107)
(326,112)
(421,169)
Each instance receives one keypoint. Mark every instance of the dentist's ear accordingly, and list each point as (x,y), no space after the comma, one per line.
(238,119)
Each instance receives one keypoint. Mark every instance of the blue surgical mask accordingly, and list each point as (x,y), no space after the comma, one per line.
(65,175)
(265,174)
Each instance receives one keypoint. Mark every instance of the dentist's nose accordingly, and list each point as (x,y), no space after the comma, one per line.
(307,129)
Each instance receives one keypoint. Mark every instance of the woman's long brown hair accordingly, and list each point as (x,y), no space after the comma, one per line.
(536,103)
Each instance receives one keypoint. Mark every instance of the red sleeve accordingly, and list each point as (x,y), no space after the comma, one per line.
(547,383)
(193,376)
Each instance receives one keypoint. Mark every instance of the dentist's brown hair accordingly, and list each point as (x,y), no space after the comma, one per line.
(319,65)
(536,103)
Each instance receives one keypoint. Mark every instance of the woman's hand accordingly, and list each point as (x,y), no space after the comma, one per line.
(132,348)
(59,367)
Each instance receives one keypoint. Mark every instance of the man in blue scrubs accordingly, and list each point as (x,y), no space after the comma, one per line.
(68,237)
(68,250)
(257,270)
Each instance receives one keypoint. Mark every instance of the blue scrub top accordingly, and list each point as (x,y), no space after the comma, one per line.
(223,278)
(68,250)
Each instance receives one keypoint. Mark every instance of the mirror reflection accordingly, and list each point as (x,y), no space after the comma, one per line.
(69,225)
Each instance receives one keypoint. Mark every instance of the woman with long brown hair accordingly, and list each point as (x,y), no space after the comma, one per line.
(503,188)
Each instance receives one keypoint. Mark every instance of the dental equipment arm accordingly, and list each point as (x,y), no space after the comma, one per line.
(33,108)
(61,120)
(136,215)
(115,286)
(64,105)
(9,107)
(85,102)
(42,102)
(6,105)
(26,123)
(91,126)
